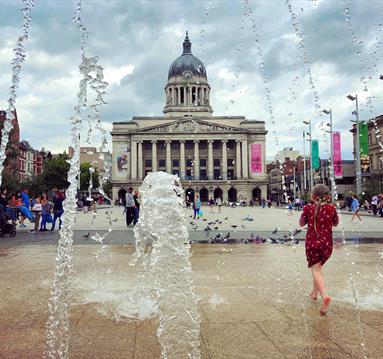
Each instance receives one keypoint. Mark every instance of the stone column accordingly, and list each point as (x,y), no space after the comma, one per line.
(224,160)
(140,161)
(196,160)
(179,95)
(133,160)
(168,156)
(154,156)
(190,96)
(182,160)
(238,159)
(210,165)
(245,162)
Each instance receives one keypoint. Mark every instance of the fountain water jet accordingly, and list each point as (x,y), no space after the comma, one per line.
(167,277)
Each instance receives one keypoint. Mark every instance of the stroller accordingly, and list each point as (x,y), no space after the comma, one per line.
(5,226)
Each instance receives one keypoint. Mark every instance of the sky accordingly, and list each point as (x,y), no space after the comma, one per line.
(137,41)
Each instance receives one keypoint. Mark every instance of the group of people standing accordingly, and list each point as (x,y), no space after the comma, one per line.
(37,209)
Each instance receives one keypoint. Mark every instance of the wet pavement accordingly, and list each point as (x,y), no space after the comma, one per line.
(253,300)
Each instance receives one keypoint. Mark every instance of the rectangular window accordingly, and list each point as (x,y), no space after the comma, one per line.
(230,162)
(217,162)
(202,145)
(147,146)
(175,163)
(202,162)
(148,163)
(217,174)
(175,145)
(230,145)
(202,174)
(176,172)
(230,174)
(189,162)
(216,145)
(369,139)
(189,145)
(161,163)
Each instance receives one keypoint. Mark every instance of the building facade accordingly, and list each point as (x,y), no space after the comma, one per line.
(372,170)
(214,156)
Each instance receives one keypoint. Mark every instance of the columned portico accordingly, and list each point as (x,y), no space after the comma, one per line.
(133,160)
(182,160)
(154,156)
(224,160)
(140,161)
(238,158)
(168,157)
(196,160)
(210,165)
(245,164)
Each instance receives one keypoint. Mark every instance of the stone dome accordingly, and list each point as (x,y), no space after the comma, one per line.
(187,61)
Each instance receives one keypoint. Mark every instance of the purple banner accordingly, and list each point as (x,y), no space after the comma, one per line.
(256,158)
(337,155)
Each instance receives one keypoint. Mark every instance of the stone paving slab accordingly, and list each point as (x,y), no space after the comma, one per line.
(252,298)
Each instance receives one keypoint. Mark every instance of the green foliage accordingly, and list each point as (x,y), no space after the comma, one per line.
(85,176)
(56,172)
(10,183)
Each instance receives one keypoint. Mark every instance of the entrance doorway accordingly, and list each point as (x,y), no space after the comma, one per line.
(232,195)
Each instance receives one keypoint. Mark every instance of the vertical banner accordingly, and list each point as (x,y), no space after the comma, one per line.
(256,158)
(315,154)
(363,138)
(337,154)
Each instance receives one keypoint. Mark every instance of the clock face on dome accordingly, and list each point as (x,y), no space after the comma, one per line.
(187,75)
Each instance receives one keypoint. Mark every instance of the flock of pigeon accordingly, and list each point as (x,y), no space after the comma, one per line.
(257,239)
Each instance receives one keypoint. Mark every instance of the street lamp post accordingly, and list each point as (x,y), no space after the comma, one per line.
(332,179)
(357,146)
(311,155)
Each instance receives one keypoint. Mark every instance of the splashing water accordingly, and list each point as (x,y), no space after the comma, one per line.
(57,328)
(167,277)
(17,61)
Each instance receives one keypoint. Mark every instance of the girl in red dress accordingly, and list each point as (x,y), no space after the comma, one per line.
(320,217)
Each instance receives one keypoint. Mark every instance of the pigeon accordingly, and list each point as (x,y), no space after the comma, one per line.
(191,216)
(248,218)
(204,219)
(227,236)
(115,220)
(275,231)
(219,222)
(86,235)
(226,218)
(216,228)
(192,222)
(296,241)
(271,240)
(297,231)
(234,226)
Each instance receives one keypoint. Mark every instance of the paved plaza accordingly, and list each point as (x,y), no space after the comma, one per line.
(253,298)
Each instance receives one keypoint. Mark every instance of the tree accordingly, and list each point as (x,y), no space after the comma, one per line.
(56,172)
(85,176)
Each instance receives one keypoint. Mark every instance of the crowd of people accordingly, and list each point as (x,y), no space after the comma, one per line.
(36,208)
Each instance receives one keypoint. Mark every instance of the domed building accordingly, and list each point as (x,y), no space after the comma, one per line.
(214,156)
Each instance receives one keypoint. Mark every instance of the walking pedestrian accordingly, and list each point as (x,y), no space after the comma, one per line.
(36,210)
(211,204)
(218,202)
(355,207)
(374,204)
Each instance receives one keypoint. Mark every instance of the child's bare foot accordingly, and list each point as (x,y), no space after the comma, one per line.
(313,295)
(325,304)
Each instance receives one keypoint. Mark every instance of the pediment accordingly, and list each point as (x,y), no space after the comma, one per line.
(190,126)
